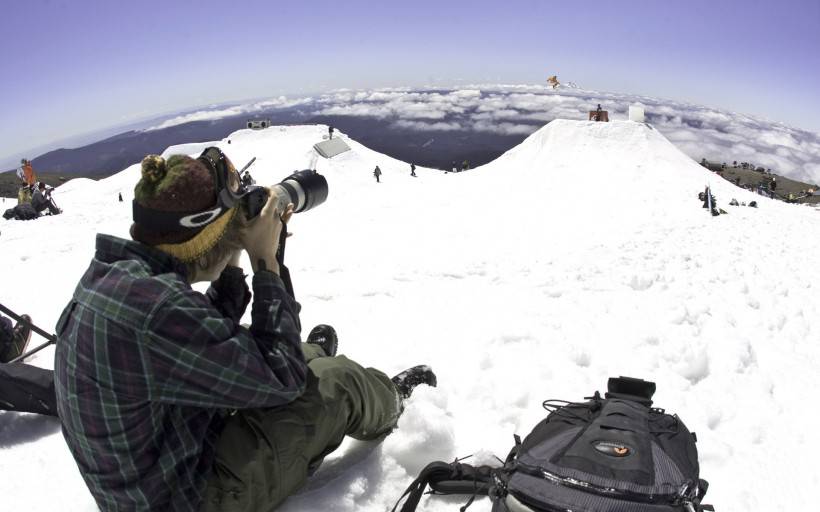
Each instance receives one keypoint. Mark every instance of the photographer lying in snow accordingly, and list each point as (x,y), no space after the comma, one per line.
(41,200)
(166,402)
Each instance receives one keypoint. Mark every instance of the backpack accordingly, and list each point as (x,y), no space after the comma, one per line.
(610,454)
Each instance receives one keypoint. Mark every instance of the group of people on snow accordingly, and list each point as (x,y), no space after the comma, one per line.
(33,197)
(377,172)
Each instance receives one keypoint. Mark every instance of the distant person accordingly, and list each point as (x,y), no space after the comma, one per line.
(465,165)
(709,202)
(377,172)
(773,184)
(120,196)
(453,166)
(413,170)
(24,194)
(27,178)
(41,200)
(329,132)
(26,173)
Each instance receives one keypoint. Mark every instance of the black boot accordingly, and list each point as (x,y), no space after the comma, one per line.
(407,380)
(324,336)
(21,335)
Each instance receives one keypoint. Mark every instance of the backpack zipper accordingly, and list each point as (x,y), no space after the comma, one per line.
(670,499)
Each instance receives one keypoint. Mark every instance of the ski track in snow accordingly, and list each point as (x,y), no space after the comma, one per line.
(518,281)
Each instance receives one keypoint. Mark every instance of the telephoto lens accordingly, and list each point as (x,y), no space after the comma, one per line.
(305,189)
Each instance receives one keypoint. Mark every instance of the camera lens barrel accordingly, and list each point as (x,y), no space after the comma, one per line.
(305,189)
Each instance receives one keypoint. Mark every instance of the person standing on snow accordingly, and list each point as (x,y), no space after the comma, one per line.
(27,179)
(377,172)
(166,401)
(412,170)
(26,172)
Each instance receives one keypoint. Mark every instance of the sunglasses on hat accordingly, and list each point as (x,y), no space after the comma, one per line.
(231,190)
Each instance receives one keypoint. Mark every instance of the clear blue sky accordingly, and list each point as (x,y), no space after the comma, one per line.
(70,67)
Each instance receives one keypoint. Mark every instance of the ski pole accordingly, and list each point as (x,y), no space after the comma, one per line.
(247,165)
(31,352)
(50,337)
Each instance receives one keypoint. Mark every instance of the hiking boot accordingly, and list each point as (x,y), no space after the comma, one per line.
(324,336)
(21,334)
(407,380)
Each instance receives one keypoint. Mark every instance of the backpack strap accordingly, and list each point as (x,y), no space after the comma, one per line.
(448,478)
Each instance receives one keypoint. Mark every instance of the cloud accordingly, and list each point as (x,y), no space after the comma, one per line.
(423,126)
(699,131)
(220,113)
(504,128)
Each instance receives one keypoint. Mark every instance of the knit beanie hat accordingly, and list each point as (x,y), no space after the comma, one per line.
(180,185)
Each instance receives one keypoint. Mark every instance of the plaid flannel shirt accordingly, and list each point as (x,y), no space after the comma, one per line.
(146,369)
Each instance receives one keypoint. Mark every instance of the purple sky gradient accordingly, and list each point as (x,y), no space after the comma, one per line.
(70,67)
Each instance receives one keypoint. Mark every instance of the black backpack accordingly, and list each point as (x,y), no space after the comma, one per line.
(611,454)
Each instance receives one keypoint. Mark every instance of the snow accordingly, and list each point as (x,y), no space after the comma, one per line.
(526,279)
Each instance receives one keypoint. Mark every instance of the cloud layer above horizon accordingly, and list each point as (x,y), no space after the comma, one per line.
(700,132)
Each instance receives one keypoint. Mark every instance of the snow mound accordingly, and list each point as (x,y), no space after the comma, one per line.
(425,431)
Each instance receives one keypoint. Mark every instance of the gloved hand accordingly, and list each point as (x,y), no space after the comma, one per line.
(261,238)
(230,293)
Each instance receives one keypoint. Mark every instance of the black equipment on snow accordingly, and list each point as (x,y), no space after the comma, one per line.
(610,454)
(50,337)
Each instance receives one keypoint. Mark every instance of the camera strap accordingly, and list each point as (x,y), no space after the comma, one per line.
(284,273)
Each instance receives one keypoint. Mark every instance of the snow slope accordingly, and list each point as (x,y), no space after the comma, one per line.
(522,280)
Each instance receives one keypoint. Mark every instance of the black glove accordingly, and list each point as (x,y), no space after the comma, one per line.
(230,293)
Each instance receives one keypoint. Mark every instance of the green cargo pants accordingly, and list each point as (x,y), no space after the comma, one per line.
(265,455)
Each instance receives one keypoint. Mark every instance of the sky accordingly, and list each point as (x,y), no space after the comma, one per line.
(75,67)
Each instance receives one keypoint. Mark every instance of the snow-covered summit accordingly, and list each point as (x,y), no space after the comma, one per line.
(583,253)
